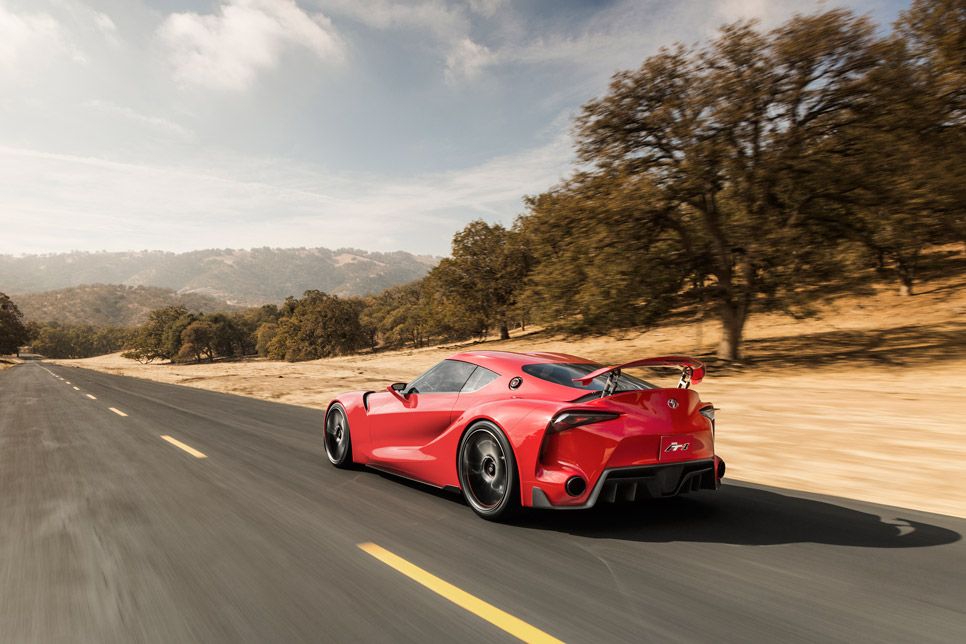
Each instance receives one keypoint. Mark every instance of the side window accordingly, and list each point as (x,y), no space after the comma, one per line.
(479,379)
(446,377)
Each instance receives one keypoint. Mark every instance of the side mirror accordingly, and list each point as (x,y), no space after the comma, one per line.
(398,389)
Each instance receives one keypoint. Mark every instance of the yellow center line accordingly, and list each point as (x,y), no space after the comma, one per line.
(484,610)
(117,411)
(187,448)
(91,397)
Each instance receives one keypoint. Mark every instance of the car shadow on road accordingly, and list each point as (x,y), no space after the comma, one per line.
(741,515)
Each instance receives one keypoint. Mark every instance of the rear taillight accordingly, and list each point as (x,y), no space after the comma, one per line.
(577,418)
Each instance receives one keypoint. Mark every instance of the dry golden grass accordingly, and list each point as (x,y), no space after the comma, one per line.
(864,400)
(9,361)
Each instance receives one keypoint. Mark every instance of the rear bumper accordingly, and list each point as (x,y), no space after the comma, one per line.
(644,482)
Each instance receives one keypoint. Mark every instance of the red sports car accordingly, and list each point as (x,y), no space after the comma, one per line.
(543,430)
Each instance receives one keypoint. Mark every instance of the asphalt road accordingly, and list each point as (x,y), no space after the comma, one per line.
(110,534)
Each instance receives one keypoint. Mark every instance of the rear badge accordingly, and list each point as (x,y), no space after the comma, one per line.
(677,447)
(672,403)
(515,382)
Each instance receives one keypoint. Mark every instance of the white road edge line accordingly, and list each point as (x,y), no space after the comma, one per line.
(117,411)
(187,448)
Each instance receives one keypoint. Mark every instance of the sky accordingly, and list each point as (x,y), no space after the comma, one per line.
(374,124)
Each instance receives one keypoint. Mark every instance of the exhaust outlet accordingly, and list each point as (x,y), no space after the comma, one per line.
(575,486)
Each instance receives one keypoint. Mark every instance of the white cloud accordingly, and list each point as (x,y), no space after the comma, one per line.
(769,13)
(56,202)
(158,123)
(228,49)
(466,60)
(487,7)
(437,17)
(29,41)
(621,36)
(106,26)
(448,24)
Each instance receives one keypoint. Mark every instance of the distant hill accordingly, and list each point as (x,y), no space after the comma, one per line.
(256,276)
(108,304)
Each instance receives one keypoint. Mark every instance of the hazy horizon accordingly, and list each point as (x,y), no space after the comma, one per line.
(95,251)
(191,125)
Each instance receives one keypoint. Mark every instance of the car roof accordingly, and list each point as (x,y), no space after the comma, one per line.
(511,359)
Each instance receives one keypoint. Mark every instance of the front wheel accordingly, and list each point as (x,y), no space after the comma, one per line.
(338,443)
(488,472)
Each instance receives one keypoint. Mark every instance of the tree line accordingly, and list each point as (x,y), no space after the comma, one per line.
(465,295)
(738,175)
(176,334)
(13,331)
(54,339)
(57,340)
(734,176)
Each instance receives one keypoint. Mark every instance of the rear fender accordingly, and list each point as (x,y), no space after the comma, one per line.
(522,421)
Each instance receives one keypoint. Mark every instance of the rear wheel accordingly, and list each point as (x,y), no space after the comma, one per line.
(488,472)
(338,443)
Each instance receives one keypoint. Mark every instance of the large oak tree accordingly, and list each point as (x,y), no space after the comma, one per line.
(732,146)
(13,332)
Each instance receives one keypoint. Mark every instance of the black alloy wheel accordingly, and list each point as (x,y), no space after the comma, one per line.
(338,444)
(488,472)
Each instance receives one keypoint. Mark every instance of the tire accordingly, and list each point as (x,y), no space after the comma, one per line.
(335,435)
(488,472)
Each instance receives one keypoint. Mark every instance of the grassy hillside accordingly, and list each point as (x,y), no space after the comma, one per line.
(255,276)
(108,304)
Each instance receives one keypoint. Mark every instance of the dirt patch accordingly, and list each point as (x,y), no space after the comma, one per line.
(865,400)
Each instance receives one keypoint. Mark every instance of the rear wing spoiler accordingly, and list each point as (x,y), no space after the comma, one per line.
(692,371)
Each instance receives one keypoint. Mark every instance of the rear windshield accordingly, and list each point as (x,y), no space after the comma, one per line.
(561,373)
